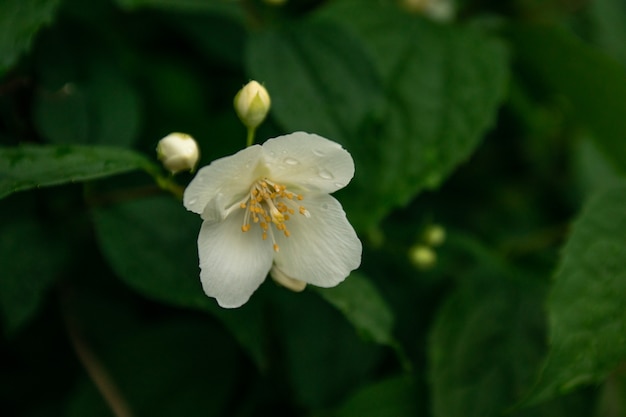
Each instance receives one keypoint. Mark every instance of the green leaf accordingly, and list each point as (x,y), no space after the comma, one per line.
(104,110)
(609,26)
(486,345)
(389,397)
(26,167)
(586,305)
(322,354)
(20,20)
(594,83)
(33,255)
(177,368)
(152,246)
(325,83)
(361,304)
(441,87)
(230,7)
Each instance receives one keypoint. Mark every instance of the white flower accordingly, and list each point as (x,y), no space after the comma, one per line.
(178,152)
(268,207)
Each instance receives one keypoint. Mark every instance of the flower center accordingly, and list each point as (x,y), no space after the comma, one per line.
(270,203)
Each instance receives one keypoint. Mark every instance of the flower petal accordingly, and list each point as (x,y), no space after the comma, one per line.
(322,248)
(231,176)
(308,161)
(233,263)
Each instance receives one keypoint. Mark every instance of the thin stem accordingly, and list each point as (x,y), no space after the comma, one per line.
(250,139)
(95,369)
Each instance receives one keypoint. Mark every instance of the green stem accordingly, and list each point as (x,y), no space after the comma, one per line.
(250,139)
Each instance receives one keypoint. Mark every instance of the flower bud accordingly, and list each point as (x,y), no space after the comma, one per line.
(286,281)
(422,257)
(178,152)
(252,103)
(434,235)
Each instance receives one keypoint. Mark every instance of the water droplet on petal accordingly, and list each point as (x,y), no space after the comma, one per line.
(338,184)
(325,206)
(272,153)
(291,161)
(318,152)
(193,201)
(325,174)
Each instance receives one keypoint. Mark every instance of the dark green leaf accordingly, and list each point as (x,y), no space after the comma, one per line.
(178,368)
(323,356)
(32,255)
(386,398)
(26,167)
(233,8)
(594,83)
(486,345)
(20,20)
(361,304)
(104,110)
(441,87)
(152,246)
(586,306)
(325,83)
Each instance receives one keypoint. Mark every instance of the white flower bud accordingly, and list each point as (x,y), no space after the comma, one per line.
(178,152)
(252,103)
(286,281)
(422,257)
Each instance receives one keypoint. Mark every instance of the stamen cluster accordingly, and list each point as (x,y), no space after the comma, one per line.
(270,203)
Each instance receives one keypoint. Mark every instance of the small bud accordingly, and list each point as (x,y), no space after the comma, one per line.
(434,235)
(178,152)
(286,281)
(438,10)
(422,257)
(252,103)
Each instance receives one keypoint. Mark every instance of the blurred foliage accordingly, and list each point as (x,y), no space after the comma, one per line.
(504,124)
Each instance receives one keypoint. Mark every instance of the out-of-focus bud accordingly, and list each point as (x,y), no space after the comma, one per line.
(275,2)
(252,103)
(178,152)
(434,235)
(438,10)
(286,281)
(423,257)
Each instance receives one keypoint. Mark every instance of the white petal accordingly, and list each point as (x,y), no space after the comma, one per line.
(322,248)
(309,162)
(231,176)
(233,263)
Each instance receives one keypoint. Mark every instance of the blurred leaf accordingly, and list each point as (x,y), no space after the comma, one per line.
(152,246)
(29,166)
(323,356)
(231,7)
(386,398)
(361,304)
(20,20)
(325,83)
(178,368)
(594,83)
(441,86)
(592,169)
(105,111)
(32,255)
(609,26)
(586,305)
(486,345)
